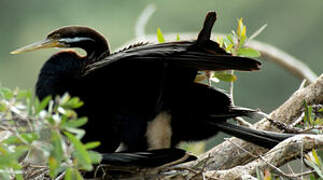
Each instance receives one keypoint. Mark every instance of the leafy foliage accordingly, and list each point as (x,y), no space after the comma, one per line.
(315,162)
(31,130)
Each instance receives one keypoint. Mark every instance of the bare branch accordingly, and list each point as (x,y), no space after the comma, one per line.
(292,64)
(279,155)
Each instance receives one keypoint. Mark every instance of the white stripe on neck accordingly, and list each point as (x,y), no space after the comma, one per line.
(75,39)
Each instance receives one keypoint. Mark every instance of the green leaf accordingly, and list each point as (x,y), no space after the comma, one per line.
(3,107)
(160,36)
(308,114)
(248,52)
(177,37)
(229,48)
(78,132)
(53,167)
(22,94)
(6,93)
(312,177)
(83,157)
(57,153)
(29,137)
(42,105)
(68,174)
(95,157)
(229,37)
(72,174)
(225,76)
(240,26)
(92,145)
(12,140)
(18,169)
(56,141)
(317,159)
(220,41)
(72,103)
(65,98)
(311,163)
(8,158)
(76,123)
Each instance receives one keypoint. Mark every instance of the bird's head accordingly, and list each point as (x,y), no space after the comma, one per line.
(71,37)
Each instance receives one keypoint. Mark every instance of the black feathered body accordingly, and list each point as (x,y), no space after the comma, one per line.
(126,91)
(144,97)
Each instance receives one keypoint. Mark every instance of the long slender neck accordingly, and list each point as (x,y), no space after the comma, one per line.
(96,47)
(97,50)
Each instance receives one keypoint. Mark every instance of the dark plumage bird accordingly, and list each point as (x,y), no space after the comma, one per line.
(144,97)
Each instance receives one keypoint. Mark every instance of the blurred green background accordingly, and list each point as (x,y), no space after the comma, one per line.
(295,26)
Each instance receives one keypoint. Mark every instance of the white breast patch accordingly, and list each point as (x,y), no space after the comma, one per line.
(159,132)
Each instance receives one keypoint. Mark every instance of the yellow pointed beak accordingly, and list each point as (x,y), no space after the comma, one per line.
(47,43)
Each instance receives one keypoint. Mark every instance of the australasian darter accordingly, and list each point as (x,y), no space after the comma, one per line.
(144,96)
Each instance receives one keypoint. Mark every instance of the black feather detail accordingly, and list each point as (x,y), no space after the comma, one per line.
(137,44)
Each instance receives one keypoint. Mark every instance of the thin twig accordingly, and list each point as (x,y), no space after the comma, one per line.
(143,20)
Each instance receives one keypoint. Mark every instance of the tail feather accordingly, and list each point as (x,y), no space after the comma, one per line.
(148,159)
(262,138)
(205,33)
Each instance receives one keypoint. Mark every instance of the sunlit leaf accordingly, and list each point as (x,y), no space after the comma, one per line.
(92,145)
(160,36)
(200,77)
(316,158)
(177,37)
(223,76)
(229,37)
(220,41)
(240,27)
(248,52)
(229,48)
